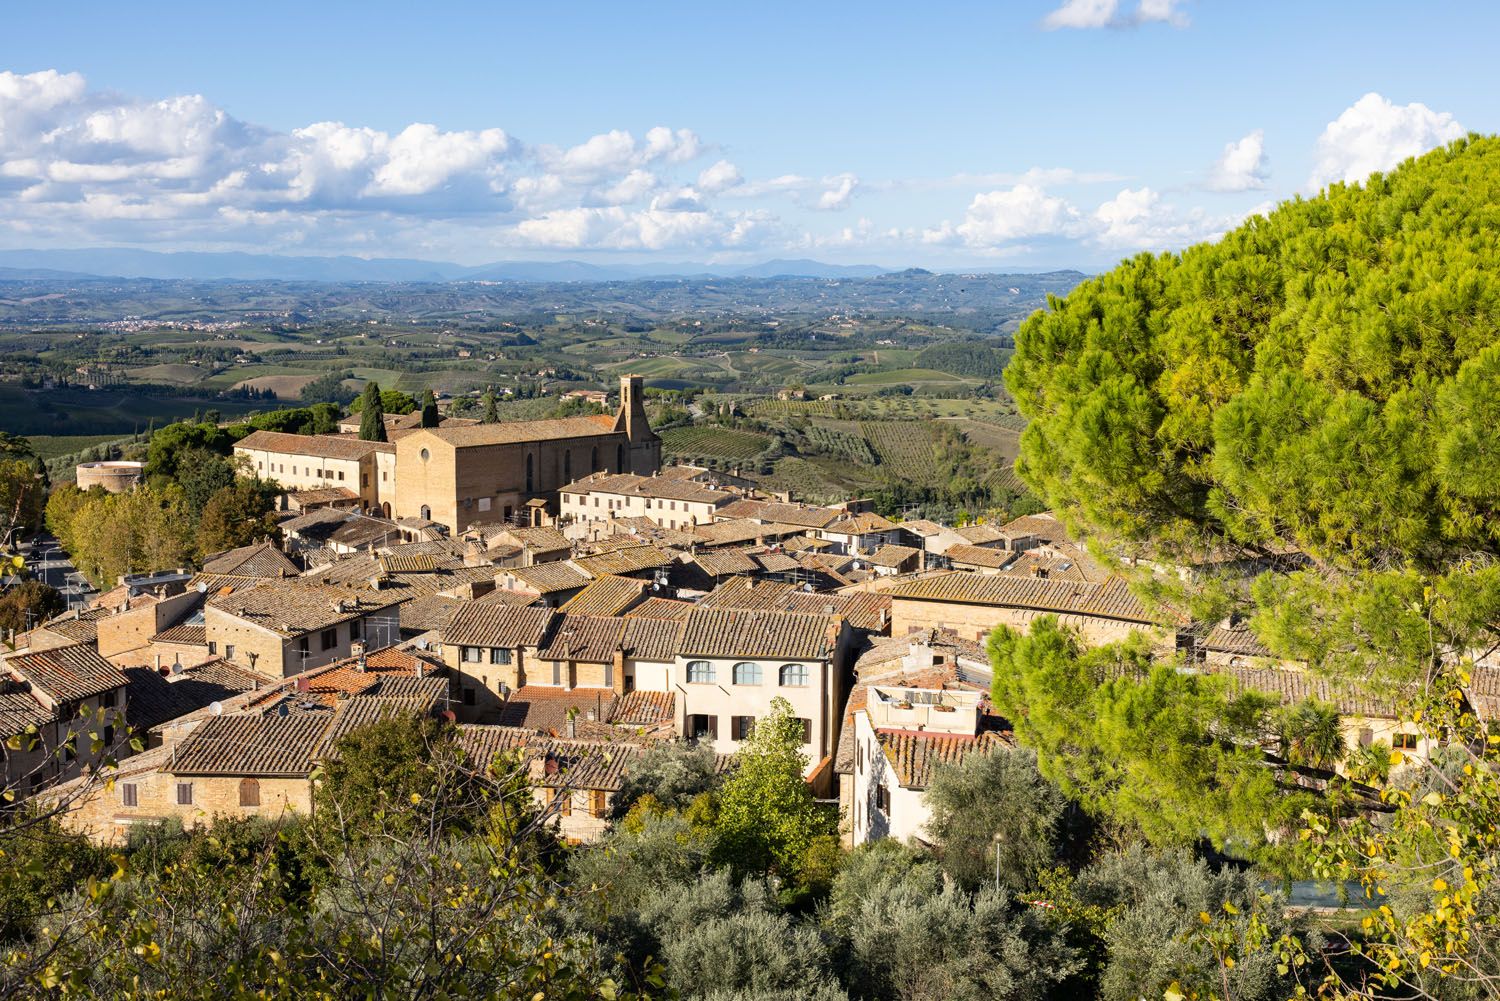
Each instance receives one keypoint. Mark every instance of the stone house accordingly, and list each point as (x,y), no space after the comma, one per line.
(281,628)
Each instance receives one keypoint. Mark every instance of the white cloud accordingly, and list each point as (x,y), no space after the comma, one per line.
(1138,219)
(1015,214)
(840,190)
(1374,134)
(421,158)
(1086,14)
(720,177)
(1243,165)
(631,188)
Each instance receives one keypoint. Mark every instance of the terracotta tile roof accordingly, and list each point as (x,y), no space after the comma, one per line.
(324,517)
(553,763)
(721,562)
(777,563)
(892,556)
(546,710)
(623,561)
(859,524)
(323,495)
(151,699)
(915,756)
(539,539)
(402,576)
(259,560)
(802,515)
(1111,599)
(429,611)
(216,584)
(67,673)
(866,610)
(293,607)
(1044,526)
(606,595)
(509,596)
(639,708)
(271,746)
(979,556)
(408,563)
(980,535)
(719,632)
(1072,567)
(1237,639)
(592,639)
(364,531)
(549,578)
(653,639)
(496,625)
(748,593)
(19,712)
(661,608)
(730,532)
(76,628)
(663,487)
(188,634)
(512,432)
(921,527)
(805,543)
(323,446)
(1292,685)
(1484,692)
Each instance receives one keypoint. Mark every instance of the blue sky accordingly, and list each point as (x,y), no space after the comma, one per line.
(944,135)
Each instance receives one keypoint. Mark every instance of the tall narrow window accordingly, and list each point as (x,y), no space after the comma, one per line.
(249,792)
(530,473)
(184,794)
(594,463)
(129,796)
(620,458)
(567,465)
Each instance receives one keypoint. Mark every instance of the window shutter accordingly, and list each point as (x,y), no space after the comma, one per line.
(597,802)
(184,794)
(564,801)
(128,795)
(249,792)
(713,727)
(807,731)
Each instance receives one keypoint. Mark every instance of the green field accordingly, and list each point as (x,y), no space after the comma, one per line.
(50,446)
(713,443)
(905,448)
(74,412)
(910,376)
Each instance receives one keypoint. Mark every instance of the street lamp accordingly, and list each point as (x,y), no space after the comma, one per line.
(998,840)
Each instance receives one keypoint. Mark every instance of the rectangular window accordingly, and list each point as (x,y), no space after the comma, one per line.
(107,699)
(229,651)
(598,803)
(744,726)
(470,654)
(364,479)
(806,730)
(341,474)
(356,629)
(129,796)
(469,697)
(330,638)
(109,737)
(484,503)
(563,800)
(702,727)
(557,672)
(499,655)
(882,799)
(1404,741)
(213,648)
(184,794)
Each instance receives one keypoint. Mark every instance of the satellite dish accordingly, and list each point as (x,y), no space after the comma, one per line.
(217,708)
(202,587)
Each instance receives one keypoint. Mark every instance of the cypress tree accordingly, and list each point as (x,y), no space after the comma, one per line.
(430,418)
(491,411)
(372,414)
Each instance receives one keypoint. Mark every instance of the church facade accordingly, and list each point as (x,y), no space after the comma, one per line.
(487,473)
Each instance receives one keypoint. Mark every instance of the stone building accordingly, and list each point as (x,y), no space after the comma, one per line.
(458,476)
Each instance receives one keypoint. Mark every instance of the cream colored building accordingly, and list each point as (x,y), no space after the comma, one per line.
(669,501)
(309,461)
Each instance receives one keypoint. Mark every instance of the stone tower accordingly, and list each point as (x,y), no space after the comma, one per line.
(645,446)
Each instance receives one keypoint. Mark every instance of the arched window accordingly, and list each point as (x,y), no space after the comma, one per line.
(426,513)
(700,672)
(567,465)
(249,792)
(620,458)
(530,473)
(747,674)
(794,675)
(594,460)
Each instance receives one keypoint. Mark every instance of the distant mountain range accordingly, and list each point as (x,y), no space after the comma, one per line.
(194,266)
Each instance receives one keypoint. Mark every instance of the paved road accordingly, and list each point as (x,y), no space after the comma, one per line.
(51,563)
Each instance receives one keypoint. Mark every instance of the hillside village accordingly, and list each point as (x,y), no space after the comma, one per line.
(553,590)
